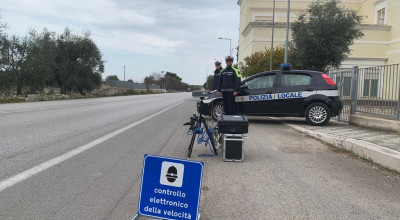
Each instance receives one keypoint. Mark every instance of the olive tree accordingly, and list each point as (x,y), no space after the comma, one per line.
(79,63)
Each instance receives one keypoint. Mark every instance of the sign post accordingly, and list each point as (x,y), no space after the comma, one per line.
(170,188)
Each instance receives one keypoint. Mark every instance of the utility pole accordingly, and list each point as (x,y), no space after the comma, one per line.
(163,79)
(230,44)
(206,79)
(287,31)
(124,73)
(272,39)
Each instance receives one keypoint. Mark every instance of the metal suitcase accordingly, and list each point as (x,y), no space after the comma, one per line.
(233,145)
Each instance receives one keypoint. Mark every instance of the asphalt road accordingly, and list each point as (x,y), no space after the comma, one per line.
(91,184)
(87,158)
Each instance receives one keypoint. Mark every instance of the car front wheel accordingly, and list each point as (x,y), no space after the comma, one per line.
(317,114)
(216,110)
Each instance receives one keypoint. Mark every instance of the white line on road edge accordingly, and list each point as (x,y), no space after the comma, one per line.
(46,165)
(45,108)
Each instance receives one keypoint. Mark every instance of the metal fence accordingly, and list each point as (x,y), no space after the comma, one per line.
(343,80)
(373,90)
(123,84)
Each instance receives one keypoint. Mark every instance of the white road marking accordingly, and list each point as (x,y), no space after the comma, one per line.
(44,108)
(9,182)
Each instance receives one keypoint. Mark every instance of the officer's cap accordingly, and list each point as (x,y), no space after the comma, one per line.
(229,58)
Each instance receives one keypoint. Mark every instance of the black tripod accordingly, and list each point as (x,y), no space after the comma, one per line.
(196,125)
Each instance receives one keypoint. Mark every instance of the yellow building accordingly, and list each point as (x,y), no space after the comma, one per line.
(381,27)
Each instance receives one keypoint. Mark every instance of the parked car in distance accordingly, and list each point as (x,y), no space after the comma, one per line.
(282,93)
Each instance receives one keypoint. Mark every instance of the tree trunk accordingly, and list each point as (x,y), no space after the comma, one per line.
(18,85)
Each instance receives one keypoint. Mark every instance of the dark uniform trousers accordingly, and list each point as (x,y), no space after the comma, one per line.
(228,100)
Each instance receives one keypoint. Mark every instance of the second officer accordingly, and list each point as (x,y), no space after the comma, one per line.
(217,72)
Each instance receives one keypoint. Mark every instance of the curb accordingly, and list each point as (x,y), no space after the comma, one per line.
(381,124)
(384,156)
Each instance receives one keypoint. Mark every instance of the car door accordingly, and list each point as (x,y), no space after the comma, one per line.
(256,97)
(293,87)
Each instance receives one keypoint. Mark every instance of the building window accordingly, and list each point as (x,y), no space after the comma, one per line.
(346,86)
(370,88)
(381,16)
(370,79)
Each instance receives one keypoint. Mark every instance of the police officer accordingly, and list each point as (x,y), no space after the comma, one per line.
(228,84)
(217,72)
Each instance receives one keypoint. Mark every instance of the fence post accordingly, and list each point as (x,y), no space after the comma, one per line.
(340,86)
(354,89)
(398,97)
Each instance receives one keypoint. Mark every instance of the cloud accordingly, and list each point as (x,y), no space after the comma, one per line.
(138,42)
(183,34)
(104,12)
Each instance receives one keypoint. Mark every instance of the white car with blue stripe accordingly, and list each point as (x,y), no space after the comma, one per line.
(299,93)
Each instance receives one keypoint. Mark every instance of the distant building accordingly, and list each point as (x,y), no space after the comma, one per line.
(381,28)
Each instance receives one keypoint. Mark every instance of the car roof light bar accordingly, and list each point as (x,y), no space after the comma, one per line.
(286,66)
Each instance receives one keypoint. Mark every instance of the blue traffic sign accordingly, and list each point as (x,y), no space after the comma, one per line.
(170,188)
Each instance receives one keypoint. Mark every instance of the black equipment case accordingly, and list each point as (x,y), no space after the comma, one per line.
(233,124)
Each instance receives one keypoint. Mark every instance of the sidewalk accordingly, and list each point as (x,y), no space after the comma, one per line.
(379,146)
(297,177)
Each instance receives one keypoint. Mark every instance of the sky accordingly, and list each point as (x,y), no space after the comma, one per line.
(179,36)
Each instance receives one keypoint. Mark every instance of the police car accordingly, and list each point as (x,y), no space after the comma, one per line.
(286,92)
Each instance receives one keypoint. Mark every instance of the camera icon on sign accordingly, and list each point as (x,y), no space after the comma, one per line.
(171,174)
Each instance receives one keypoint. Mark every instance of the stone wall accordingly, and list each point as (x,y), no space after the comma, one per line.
(55,94)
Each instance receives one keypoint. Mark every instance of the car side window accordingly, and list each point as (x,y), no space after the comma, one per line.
(295,80)
(262,82)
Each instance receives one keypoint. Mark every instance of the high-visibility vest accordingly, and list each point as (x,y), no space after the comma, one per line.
(236,71)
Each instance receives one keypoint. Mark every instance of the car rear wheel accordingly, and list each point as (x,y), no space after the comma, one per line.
(317,114)
(216,110)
